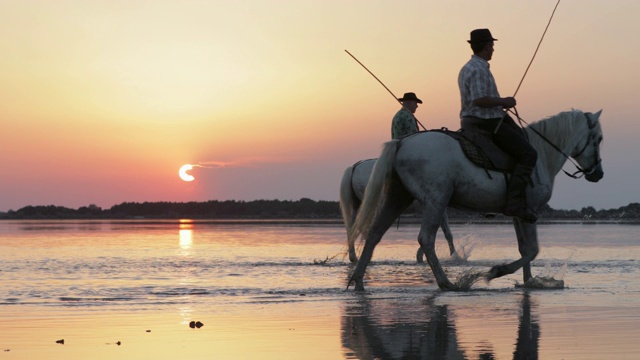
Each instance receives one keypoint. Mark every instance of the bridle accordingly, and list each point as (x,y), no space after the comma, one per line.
(580,172)
(592,137)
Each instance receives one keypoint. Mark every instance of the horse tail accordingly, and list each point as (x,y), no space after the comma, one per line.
(375,192)
(346,198)
(348,207)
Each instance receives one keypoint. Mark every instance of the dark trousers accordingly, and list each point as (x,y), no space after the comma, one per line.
(511,138)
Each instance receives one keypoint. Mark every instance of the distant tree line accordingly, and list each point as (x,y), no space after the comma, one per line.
(282,209)
(231,209)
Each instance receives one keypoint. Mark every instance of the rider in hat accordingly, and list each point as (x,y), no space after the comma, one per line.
(404,123)
(480,100)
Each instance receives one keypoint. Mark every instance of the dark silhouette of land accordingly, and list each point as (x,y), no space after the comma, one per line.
(303,209)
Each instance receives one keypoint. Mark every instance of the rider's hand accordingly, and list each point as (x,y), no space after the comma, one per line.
(508,102)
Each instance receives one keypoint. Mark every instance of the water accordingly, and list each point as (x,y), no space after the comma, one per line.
(278,291)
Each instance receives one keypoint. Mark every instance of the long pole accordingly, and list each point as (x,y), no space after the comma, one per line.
(385,86)
(530,62)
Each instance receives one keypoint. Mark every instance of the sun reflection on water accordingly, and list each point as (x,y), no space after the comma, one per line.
(186,239)
(186,234)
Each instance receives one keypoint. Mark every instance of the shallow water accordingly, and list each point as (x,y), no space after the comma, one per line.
(278,291)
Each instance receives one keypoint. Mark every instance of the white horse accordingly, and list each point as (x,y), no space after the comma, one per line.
(352,188)
(431,168)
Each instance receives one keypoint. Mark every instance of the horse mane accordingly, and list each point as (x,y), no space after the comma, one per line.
(555,128)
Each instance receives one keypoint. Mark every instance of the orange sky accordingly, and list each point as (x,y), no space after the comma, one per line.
(103,101)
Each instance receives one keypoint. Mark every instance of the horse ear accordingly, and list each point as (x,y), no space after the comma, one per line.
(592,119)
(597,115)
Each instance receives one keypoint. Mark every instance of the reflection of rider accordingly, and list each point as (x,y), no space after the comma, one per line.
(404,123)
(480,99)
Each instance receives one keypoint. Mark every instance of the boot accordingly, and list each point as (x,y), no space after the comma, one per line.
(516,204)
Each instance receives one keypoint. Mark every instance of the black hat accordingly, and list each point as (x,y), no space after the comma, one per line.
(481,35)
(410,96)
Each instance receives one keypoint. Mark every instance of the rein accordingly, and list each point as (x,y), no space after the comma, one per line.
(582,172)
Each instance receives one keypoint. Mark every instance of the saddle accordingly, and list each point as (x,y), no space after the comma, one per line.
(478,146)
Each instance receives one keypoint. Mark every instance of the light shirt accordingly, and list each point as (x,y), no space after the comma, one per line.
(403,124)
(476,81)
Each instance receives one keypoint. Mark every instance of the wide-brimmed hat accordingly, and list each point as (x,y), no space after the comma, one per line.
(410,96)
(481,35)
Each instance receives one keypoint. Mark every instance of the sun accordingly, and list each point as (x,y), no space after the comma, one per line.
(183,172)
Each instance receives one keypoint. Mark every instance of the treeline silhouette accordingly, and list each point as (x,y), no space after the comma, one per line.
(284,209)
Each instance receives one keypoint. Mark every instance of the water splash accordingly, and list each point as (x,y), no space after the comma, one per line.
(468,278)
(548,280)
(562,272)
(461,256)
(463,251)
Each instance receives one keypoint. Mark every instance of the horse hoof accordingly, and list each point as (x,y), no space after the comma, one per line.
(447,286)
(492,274)
(496,272)
(359,284)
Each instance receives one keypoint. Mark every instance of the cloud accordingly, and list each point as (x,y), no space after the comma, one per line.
(251,162)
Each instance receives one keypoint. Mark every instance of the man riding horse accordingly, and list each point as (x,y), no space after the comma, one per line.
(482,105)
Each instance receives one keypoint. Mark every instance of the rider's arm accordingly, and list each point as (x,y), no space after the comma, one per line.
(488,101)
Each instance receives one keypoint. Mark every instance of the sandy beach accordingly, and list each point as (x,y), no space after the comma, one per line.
(255,331)
(471,326)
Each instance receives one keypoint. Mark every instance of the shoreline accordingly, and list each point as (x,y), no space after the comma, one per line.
(311,221)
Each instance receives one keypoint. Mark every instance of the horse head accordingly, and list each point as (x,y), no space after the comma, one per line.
(587,153)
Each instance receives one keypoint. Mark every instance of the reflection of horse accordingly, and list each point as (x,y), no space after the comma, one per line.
(432,169)
(384,329)
(528,332)
(352,189)
(389,329)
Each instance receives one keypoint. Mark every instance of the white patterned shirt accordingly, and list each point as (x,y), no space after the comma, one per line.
(403,124)
(476,81)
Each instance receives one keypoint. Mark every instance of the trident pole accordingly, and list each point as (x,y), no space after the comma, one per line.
(385,86)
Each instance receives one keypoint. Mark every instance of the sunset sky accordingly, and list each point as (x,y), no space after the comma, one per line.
(101,102)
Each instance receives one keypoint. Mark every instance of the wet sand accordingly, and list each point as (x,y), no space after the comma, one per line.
(258,331)
(505,324)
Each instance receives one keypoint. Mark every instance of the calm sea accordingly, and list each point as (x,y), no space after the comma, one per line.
(277,290)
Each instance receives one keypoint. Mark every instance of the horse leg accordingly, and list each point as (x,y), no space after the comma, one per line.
(357,276)
(427,240)
(349,204)
(353,258)
(394,204)
(525,231)
(352,254)
(527,236)
(444,225)
(420,253)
